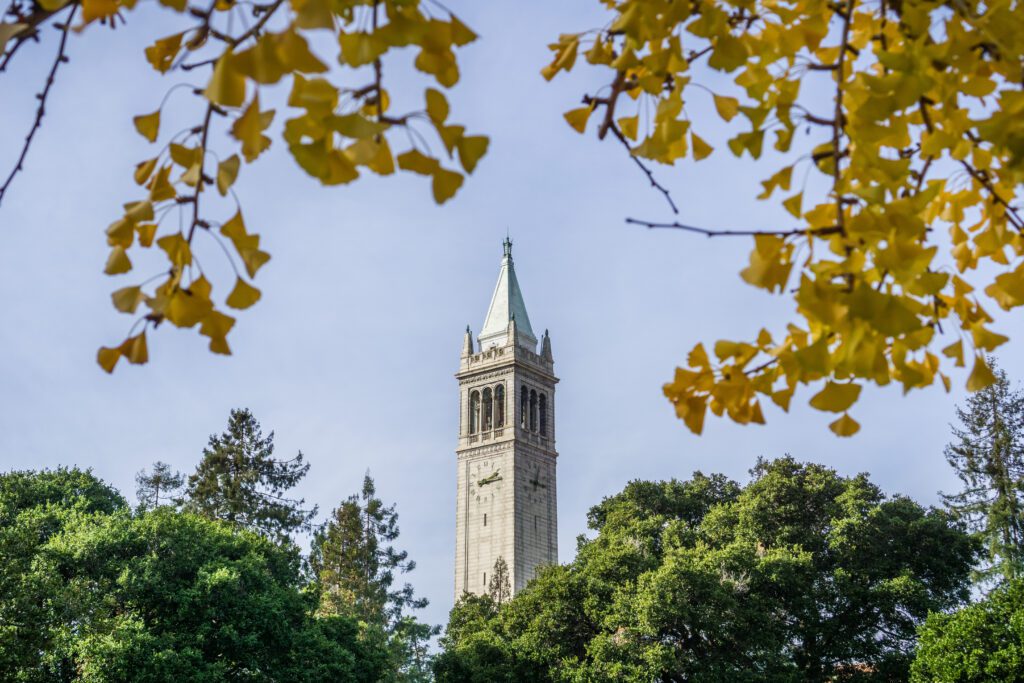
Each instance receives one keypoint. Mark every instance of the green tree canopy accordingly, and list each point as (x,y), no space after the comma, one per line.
(239,481)
(91,592)
(981,642)
(170,596)
(801,575)
(35,506)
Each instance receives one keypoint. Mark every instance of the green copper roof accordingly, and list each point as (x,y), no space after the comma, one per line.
(506,302)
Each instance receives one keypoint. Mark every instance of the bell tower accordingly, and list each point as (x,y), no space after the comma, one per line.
(506,505)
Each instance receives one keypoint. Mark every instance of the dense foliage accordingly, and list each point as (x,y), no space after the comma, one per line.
(801,575)
(988,456)
(982,642)
(93,592)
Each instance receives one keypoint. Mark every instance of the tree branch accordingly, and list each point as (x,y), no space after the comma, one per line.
(650,175)
(41,110)
(707,232)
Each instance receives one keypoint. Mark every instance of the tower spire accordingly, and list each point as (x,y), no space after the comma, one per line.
(507,301)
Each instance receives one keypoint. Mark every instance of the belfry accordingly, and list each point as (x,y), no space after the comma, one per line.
(506,504)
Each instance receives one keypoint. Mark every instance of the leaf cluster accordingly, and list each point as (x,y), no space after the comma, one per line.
(923,132)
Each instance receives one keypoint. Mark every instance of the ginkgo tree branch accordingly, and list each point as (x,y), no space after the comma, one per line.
(643,167)
(709,232)
(42,96)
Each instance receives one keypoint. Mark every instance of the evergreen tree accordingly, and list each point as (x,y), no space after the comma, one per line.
(356,564)
(988,456)
(160,484)
(239,481)
(499,587)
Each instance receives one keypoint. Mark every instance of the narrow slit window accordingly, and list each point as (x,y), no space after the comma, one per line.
(485,578)
(499,406)
(543,407)
(485,519)
(524,407)
(533,411)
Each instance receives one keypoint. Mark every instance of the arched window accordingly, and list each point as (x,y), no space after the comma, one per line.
(533,411)
(524,407)
(488,409)
(474,412)
(543,407)
(499,406)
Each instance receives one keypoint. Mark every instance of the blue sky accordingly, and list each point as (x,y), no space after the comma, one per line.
(351,353)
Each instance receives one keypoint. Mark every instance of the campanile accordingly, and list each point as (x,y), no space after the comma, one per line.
(506,505)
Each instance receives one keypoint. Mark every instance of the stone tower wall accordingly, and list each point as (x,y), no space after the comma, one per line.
(506,503)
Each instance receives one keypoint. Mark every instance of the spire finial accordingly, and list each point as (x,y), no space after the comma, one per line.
(507,244)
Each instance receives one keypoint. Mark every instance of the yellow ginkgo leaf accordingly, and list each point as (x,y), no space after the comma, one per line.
(107,357)
(148,125)
(956,352)
(243,295)
(134,349)
(216,325)
(415,161)
(794,204)
(227,171)
(577,118)
(446,184)
(98,9)
(143,170)
(360,48)
(981,376)
(183,156)
(471,148)
(461,34)
(177,249)
(117,262)
(701,149)
(628,126)
(227,85)
(845,426)
(127,299)
(727,107)
(836,397)
(161,54)
(295,53)
(437,106)
(248,129)
(185,309)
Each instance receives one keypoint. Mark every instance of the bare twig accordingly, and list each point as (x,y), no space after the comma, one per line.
(707,232)
(41,110)
(650,175)
(982,178)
